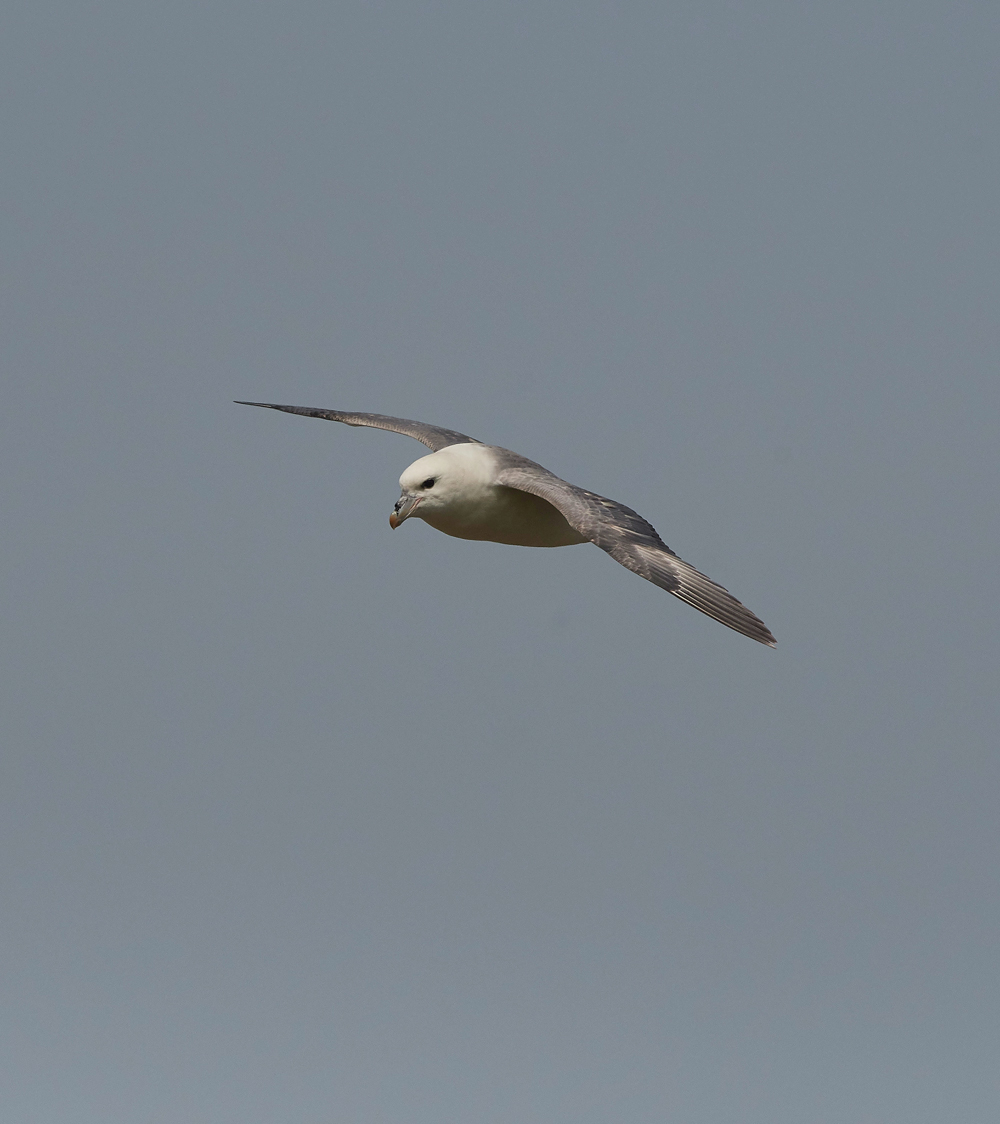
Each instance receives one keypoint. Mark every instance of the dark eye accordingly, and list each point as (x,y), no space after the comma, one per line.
(428,483)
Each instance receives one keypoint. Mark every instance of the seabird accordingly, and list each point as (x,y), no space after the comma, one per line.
(475,491)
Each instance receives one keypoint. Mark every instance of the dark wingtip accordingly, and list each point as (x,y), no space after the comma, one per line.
(284,409)
(762,634)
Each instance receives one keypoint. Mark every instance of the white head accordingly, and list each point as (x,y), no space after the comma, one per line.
(449,480)
(425,487)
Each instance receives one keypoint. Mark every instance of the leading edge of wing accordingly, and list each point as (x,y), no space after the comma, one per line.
(434,437)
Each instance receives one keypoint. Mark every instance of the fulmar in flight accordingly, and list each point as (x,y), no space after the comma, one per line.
(476,491)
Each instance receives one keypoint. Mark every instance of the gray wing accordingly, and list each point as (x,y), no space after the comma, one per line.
(630,540)
(431,435)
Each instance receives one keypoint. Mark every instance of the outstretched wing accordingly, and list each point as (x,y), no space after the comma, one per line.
(431,435)
(630,540)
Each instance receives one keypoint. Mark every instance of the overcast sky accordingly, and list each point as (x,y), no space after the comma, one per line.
(307,821)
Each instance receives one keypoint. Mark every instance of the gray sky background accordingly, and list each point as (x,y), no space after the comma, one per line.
(304,820)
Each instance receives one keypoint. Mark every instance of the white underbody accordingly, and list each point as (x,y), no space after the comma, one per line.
(504,515)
